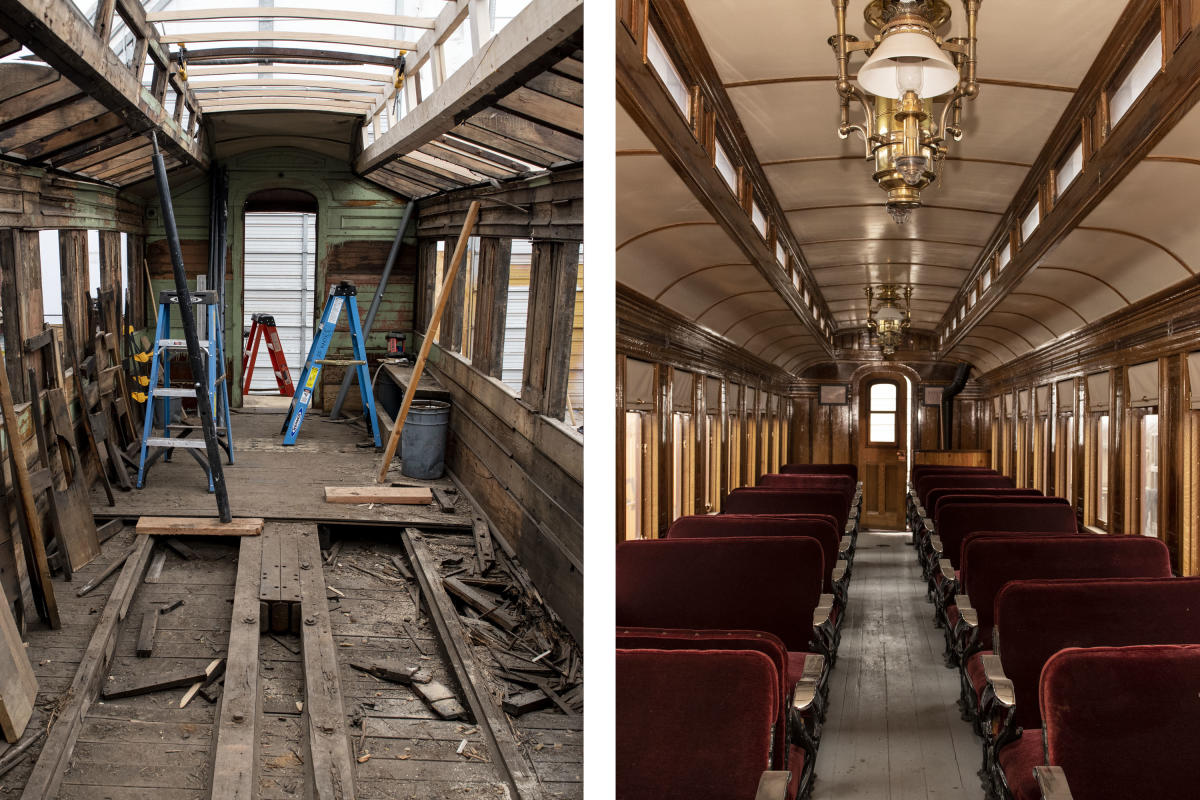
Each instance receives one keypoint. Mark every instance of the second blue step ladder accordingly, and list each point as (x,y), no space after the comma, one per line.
(343,296)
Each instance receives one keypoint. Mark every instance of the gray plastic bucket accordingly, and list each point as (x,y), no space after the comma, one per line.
(423,440)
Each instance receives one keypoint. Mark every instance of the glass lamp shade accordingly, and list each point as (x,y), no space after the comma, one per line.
(889,313)
(908,58)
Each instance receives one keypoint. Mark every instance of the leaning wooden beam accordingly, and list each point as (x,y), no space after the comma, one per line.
(56,753)
(514,766)
(235,766)
(64,39)
(331,756)
(535,33)
(443,295)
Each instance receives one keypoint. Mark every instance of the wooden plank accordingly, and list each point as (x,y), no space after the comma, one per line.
(48,772)
(257,12)
(145,642)
(18,684)
(153,683)
(392,495)
(329,742)
(198,526)
(481,602)
(512,763)
(235,764)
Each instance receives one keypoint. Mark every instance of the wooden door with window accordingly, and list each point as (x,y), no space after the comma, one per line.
(882,444)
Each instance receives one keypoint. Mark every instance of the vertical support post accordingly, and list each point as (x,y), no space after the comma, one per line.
(110,279)
(487,351)
(552,283)
(450,334)
(203,400)
(73,266)
(426,282)
(20,299)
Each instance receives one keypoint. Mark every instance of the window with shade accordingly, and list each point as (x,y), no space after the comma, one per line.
(1143,397)
(883,405)
(1102,470)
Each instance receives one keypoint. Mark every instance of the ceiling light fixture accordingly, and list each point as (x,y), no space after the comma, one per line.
(907,68)
(891,319)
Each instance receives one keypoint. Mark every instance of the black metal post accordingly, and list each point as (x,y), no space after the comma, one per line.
(203,401)
(393,254)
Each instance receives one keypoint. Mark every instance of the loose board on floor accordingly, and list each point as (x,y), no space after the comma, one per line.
(199,526)
(18,685)
(388,495)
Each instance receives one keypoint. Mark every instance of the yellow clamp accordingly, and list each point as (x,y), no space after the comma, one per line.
(141,397)
(141,358)
(141,380)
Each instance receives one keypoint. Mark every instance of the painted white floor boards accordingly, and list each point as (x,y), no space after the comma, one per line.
(893,730)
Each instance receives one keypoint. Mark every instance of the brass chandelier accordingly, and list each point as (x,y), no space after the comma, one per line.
(891,319)
(909,66)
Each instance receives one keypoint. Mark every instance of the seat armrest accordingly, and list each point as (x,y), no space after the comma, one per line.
(1002,687)
(804,694)
(814,667)
(947,569)
(839,573)
(823,613)
(1052,782)
(920,510)
(968,615)
(927,524)
(773,785)
(849,529)
(845,545)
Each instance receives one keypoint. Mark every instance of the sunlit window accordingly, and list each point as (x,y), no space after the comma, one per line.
(656,54)
(883,407)
(633,474)
(1139,77)
(1069,170)
(1102,469)
(759,219)
(724,166)
(1030,221)
(1004,256)
(1149,475)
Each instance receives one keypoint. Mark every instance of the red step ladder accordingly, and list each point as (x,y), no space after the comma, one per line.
(262,326)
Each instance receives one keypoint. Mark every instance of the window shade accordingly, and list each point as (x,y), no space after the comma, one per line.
(639,384)
(1043,401)
(734,398)
(1143,385)
(1193,360)
(681,392)
(1023,402)
(751,399)
(996,405)
(763,400)
(1008,404)
(712,394)
(1066,395)
(1097,389)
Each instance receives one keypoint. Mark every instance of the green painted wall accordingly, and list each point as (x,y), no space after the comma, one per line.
(356,223)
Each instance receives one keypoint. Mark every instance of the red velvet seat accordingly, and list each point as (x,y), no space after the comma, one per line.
(758,583)
(693,724)
(944,476)
(787,501)
(795,749)
(1041,617)
(985,481)
(822,527)
(1121,721)
(990,561)
(840,483)
(924,527)
(850,470)
(955,520)
(1017,762)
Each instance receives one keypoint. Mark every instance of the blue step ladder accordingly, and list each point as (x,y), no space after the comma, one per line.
(161,446)
(343,296)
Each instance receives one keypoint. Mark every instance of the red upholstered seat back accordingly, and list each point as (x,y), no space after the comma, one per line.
(928,483)
(788,501)
(849,470)
(921,470)
(839,483)
(991,560)
(1041,515)
(759,641)
(1121,721)
(822,527)
(755,583)
(693,724)
(1037,618)
(974,496)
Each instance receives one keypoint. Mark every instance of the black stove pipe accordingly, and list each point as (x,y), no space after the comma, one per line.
(948,394)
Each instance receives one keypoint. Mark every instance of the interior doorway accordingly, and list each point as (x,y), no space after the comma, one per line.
(279,276)
(883,448)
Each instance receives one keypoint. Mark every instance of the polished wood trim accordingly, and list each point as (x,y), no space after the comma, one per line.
(695,272)
(640,94)
(813,159)
(1051,268)
(924,206)
(1049,87)
(1070,308)
(1195,162)
(1006,329)
(729,297)
(1168,97)
(995,341)
(1031,319)
(750,316)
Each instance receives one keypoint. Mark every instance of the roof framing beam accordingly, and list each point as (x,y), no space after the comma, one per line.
(290,55)
(1108,155)
(263,12)
(287,36)
(61,37)
(512,57)
(640,92)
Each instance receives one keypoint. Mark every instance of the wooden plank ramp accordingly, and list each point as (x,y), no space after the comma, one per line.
(329,742)
(235,765)
(199,526)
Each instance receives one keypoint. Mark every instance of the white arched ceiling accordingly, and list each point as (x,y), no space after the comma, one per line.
(780,79)
(1141,240)
(670,249)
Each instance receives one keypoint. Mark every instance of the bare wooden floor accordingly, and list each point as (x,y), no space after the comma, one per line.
(284,483)
(894,731)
